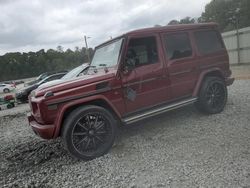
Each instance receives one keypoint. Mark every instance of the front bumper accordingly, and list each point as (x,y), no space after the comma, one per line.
(44,131)
(229,81)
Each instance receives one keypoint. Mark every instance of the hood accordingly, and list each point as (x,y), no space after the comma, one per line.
(29,88)
(51,83)
(75,83)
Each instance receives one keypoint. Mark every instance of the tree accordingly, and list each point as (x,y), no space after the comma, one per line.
(24,65)
(227,12)
(173,22)
(59,49)
(187,20)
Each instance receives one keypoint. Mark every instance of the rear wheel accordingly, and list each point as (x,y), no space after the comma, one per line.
(212,96)
(89,132)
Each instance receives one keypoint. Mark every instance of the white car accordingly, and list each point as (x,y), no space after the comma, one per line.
(6,88)
(78,71)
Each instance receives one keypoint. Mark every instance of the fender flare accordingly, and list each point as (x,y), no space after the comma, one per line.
(202,75)
(66,106)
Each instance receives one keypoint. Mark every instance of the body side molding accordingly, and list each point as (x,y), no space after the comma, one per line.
(159,110)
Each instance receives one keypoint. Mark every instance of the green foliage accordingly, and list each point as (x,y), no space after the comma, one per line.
(24,65)
(227,13)
(186,20)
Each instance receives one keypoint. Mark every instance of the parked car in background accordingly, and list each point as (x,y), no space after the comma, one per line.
(22,95)
(6,88)
(78,71)
(7,102)
(14,82)
(43,76)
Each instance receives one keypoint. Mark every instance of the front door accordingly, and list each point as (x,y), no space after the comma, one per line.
(146,83)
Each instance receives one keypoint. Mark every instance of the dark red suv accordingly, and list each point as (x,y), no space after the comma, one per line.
(134,76)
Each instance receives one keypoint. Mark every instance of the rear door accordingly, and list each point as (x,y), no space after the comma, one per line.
(181,63)
(146,84)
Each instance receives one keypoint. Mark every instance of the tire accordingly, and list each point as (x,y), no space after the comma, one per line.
(10,105)
(89,132)
(6,90)
(212,96)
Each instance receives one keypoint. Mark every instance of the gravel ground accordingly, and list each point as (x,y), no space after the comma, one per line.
(18,109)
(241,72)
(182,148)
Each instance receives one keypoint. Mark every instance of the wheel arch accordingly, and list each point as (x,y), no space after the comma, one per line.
(216,72)
(100,101)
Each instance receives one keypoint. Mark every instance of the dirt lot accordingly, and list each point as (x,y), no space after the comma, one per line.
(241,72)
(178,149)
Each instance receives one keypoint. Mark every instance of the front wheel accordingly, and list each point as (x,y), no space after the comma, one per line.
(89,132)
(212,96)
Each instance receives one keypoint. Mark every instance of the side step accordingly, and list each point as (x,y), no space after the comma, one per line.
(159,110)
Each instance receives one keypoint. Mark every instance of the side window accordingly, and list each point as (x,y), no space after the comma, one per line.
(208,41)
(178,46)
(53,78)
(142,51)
(56,77)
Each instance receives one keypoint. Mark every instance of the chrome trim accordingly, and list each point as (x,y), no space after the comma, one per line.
(159,110)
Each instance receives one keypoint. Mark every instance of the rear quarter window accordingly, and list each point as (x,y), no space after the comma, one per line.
(208,41)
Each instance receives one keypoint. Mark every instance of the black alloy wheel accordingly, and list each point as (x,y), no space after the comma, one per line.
(89,132)
(213,96)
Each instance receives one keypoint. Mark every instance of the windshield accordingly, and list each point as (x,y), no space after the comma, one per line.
(107,55)
(73,73)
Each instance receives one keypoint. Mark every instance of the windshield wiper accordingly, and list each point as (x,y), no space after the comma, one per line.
(102,65)
(105,67)
(94,67)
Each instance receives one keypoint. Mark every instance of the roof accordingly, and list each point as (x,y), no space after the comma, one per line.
(164,29)
(173,28)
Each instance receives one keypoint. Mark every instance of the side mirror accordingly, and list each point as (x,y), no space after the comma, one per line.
(127,69)
(129,65)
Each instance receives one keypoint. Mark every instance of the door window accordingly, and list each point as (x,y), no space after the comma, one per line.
(142,51)
(178,46)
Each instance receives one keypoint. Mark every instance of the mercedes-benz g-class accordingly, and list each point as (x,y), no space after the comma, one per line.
(134,76)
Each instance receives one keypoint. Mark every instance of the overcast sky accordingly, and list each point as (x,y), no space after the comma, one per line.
(30,25)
